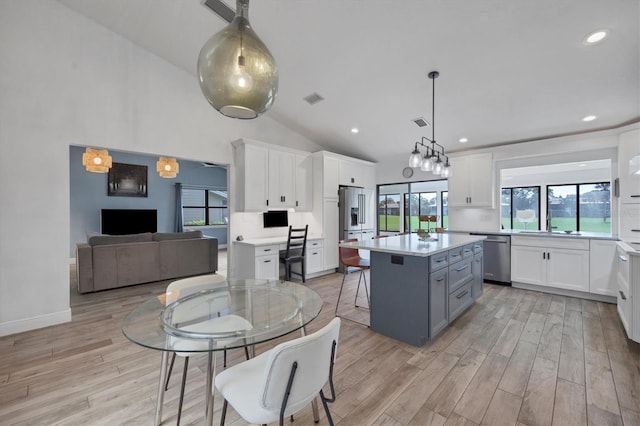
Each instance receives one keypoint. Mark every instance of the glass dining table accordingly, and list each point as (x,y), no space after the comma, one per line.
(197,320)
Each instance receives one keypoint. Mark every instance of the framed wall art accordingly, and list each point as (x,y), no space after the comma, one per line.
(127,180)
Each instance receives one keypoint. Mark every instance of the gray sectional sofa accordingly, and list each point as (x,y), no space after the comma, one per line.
(111,261)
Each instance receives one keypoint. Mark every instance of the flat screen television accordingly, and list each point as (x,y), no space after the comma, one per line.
(275,218)
(128,221)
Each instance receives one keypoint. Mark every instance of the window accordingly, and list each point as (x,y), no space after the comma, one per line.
(520,207)
(202,207)
(389,212)
(444,209)
(580,207)
(419,204)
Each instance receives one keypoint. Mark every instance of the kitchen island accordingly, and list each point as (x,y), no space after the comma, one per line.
(419,286)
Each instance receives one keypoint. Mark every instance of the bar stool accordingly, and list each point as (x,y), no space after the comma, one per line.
(350,258)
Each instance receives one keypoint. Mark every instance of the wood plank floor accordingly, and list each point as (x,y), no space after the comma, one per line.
(515,358)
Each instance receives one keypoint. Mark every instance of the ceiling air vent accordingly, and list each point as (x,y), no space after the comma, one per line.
(221,9)
(313,98)
(421,122)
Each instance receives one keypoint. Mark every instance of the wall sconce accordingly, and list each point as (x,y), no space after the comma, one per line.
(167,167)
(96,160)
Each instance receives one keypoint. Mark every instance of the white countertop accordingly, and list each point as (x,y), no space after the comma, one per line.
(632,249)
(554,234)
(266,241)
(412,245)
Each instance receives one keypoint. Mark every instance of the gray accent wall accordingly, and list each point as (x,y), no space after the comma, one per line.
(88,193)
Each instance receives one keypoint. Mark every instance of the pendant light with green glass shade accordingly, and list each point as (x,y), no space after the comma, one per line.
(237,73)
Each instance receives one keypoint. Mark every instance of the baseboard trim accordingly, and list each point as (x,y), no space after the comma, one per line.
(18,326)
(563,292)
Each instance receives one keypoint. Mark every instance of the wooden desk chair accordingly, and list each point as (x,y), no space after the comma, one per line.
(350,258)
(295,252)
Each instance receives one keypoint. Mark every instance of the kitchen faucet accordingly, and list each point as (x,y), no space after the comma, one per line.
(549,227)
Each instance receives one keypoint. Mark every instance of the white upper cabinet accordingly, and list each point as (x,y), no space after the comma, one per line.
(304,182)
(355,173)
(330,170)
(252,176)
(629,166)
(269,177)
(471,183)
(282,173)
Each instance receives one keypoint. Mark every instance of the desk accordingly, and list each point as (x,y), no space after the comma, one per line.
(274,308)
(258,257)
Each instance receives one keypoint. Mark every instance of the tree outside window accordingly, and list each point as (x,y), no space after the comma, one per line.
(389,212)
(419,204)
(580,207)
(517,199)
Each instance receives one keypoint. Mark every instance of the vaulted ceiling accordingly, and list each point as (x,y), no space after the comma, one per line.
(509,70)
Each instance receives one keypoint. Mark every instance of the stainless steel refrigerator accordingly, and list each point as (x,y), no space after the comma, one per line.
(357,213)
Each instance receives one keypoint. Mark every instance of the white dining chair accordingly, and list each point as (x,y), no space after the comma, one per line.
(280,382)
(186,347)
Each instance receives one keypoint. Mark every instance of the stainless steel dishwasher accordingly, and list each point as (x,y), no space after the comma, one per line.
(497,258)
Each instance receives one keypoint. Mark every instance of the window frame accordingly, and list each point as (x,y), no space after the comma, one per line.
(207,208)
(407,207)
(511,216)
(577,200)
(380,213)
(442,206)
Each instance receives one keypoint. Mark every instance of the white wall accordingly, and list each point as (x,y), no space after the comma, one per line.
(65,80)
(585,147)
(594,146)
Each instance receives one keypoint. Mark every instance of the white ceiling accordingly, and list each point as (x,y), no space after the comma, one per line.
(509,70)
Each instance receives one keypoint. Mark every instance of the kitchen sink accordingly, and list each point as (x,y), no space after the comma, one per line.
(550,233)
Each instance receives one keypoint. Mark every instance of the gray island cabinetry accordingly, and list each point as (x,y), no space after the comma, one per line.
(419,287)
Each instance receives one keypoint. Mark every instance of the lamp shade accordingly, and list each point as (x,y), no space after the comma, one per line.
(437,167)
(237,73)
(167,167)
(426,165)
(96,160)
(415,159)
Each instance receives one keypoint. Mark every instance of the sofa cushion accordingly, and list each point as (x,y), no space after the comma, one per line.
(120,239)
(166,236)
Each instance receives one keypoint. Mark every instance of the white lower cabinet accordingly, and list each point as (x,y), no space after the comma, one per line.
(260,262)
(314,258)
(628,278)
(551,262)
(330,225)
(528,265)
(602,268)
(623,268)
(568,269)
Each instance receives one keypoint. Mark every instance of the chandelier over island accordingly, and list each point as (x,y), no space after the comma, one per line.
(431,160)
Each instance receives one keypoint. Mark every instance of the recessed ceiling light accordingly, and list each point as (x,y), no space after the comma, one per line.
(354,130)
(463,140)
(595,36)
(589,118)
(582,165)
